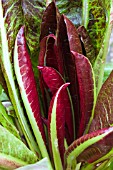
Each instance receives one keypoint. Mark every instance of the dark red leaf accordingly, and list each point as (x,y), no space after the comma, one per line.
(57,116)
(69,65)
(54,81)
(73,37)
(49,21)
(28,79)
(86,89)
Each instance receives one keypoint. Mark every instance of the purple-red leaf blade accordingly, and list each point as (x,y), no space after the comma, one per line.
(27,85)
(86,89)
(49,21)
(54,81)
(56,126)
(73,37)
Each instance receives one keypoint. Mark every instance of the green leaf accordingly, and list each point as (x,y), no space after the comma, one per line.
(6,121)
(101,58)
(72,10)
(12,146)
(42,164)
(9,25)
(33,11)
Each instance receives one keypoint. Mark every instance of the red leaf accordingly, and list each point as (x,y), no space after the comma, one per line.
(54,81)
(28,79)
(73,37)
(49,21)
(86,89)
(69,66)
(57,115)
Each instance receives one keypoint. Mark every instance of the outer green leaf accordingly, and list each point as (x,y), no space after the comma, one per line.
(97,23)
(12,146)
(42,164)
(6,122)
(101,58)
(9,25)
(8,162)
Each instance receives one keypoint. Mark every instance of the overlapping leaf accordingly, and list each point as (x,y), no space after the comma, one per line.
(104,106)
(56,126)
(86,91)
(27,85)
(9,25)
(54,81)
(89,147)
(49,21)
(13,152)
(33,11)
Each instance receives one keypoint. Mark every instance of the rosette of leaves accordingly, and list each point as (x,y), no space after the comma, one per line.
(68,124)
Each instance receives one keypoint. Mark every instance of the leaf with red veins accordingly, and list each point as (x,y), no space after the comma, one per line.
(56,126)
(73,37)
(90,147)
(86,89)
(29,94)
(54,80)
(103,113)
(49,21)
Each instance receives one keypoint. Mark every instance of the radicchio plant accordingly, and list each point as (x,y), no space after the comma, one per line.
(52,63)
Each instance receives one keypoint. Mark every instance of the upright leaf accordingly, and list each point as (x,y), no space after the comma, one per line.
(28,90)
(101,58)
(54,81)
(69,67)
(73,37)
(49,21)
(9,25)
(86,91)
(56,126)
